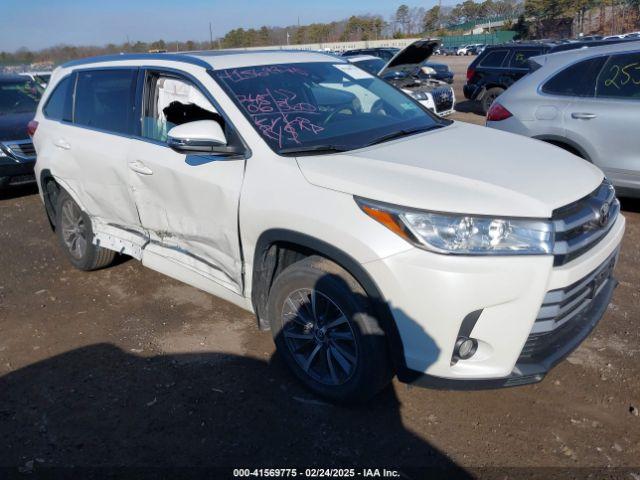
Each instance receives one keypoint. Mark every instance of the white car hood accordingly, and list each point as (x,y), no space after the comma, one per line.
(460,168)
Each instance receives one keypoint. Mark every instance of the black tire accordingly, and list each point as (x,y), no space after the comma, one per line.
(489,97)
(370,367)
(82,254)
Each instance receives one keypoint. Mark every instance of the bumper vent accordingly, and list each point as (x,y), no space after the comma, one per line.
(580,225)
(568,315)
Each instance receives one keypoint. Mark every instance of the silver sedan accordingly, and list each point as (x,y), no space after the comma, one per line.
(586,101)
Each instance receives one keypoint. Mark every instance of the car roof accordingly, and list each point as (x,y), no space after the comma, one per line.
(362,58)
(621,47)
(216,59)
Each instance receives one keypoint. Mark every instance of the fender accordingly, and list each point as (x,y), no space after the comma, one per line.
(264,264)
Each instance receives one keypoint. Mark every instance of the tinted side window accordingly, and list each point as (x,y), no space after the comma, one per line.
(494,58)
(577,80)
(620,77)
(520,57)
(104,99)
(59,104)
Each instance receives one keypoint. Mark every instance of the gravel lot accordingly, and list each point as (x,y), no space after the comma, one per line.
(125,367)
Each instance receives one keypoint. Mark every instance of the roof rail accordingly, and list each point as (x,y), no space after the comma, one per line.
(138,56)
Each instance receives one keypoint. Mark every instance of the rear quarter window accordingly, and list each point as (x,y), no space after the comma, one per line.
(104,99)
(494,58)
(59,103)
(577,80)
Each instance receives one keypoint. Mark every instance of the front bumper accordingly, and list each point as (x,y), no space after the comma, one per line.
(16,172)
(430,295)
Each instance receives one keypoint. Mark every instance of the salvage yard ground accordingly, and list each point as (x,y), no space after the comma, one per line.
(124,367)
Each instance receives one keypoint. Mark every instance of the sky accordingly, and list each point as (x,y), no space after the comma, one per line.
(42,23)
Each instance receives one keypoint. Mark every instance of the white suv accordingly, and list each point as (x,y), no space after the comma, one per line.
(372,237)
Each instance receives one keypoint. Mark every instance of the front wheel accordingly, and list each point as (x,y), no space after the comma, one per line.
(324,328)
(75,235)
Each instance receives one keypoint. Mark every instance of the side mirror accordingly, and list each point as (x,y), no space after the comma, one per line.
(202,136)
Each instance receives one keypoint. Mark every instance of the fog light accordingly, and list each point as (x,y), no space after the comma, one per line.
(465,348)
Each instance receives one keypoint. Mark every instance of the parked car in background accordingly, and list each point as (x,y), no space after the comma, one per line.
(446,51)
(464,50)
(385,53)
(372,237)
(19,96)
(442,72)
(408,71)
(500,66)
(477,49)
(42,78)
(586,101)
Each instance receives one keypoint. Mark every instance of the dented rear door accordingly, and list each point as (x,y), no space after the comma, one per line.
(94,148)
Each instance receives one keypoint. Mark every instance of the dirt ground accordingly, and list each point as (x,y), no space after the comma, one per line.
(125,367)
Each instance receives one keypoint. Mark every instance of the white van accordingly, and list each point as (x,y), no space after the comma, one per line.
(372,237)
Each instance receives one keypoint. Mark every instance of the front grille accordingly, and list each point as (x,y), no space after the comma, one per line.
(580,225)
(443,99)
(21,149)
(566,312)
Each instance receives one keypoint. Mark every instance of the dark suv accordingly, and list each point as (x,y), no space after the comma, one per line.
(499,66)
(19,96)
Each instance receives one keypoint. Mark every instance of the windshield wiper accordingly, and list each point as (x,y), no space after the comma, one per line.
(314,149)
(400,133)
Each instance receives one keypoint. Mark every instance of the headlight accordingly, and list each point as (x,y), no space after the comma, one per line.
(452,233)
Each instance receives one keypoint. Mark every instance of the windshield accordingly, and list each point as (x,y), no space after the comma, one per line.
(373,65)
(321,106)
(19,96)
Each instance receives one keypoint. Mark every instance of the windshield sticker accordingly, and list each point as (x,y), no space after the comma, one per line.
(237,75)
(353,71)
(279,116)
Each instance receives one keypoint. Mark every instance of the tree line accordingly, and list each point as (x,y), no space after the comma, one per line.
(536,17)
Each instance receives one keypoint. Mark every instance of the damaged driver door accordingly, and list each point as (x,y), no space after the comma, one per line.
(188,204)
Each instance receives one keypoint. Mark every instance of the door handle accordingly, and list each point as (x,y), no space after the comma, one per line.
(583,116)
(63,144)
(140,168)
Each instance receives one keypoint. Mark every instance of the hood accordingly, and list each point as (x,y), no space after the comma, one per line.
(410,57)
(14,126)
(460,168)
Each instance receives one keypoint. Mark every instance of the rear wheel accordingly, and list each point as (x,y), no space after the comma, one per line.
(489,97)
(323,326)
(75,235)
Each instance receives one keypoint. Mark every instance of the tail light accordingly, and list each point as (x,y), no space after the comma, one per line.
(470,73)
(32,126)
(497,112)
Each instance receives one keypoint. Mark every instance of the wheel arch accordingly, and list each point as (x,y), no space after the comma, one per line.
(50,189)
(278,248)
(566,144)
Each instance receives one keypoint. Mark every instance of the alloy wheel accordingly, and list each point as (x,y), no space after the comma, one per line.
(74,229)
(319,336)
